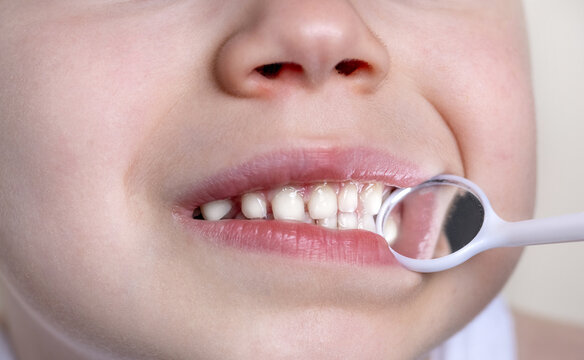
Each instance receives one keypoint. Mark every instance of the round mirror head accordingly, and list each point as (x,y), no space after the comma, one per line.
(431,220)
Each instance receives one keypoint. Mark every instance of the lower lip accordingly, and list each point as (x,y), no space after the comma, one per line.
(297,240)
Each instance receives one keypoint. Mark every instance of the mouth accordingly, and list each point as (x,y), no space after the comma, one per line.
(318,205)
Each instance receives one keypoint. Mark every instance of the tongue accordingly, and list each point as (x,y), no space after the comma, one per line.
(419,221)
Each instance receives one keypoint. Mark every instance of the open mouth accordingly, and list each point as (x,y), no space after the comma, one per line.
(343,206)
(318,205)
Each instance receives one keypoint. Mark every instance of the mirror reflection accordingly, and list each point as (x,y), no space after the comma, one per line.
(433,220)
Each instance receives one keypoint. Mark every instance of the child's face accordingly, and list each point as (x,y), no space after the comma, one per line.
(118,118)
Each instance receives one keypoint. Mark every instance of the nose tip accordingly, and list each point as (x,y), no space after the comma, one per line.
(303,44)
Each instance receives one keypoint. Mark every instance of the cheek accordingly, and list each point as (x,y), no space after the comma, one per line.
(71,120)
(487,103)
(474,70)
(495,131)
(73,115)
(472,66)
(479,80)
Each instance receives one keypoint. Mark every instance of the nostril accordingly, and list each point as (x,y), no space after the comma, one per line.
(345,67)
(349,66)
(272,71)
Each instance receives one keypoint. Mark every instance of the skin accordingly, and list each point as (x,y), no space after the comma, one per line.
(108,106)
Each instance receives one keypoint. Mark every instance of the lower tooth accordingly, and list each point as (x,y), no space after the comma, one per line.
(390,231)
(216,210)
(330,223)
(366,222)
(347,221)
(308,219)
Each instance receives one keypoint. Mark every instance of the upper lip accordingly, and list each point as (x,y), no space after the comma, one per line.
(304,166)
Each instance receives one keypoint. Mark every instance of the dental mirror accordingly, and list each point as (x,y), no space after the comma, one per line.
(446,220)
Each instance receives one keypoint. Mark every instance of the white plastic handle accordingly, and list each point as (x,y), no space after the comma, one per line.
(559,229)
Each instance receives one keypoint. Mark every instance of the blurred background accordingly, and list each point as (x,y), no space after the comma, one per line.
(549,280)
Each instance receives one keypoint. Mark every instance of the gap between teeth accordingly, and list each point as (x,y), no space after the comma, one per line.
(343,206)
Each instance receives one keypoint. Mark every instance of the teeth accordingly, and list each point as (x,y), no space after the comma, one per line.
(371,197)
(322,203)
(253,206)
(367,222)
(288,205)
(390,230)
(330,222)
(347,221)
(349,205)
(348,198)
(216,210)
(308,219)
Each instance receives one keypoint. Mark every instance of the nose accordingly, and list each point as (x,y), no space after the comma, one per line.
(303,44)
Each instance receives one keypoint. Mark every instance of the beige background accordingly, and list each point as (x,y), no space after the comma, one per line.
(550,278)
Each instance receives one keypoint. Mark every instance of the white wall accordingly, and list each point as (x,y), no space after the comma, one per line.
(550,278)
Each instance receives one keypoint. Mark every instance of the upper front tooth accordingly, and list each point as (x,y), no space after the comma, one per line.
(216,210)
(371,197)
(348,198)
(287,204)
(322,203)
(253,206)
